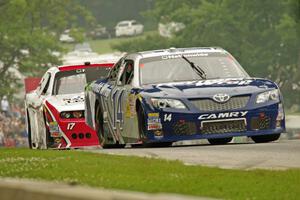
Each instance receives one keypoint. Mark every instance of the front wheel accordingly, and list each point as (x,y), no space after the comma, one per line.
(29,131)
(265,138)
(219,141)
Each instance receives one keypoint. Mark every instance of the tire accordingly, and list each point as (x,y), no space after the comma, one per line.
(99,126)
(49,141)
(141,121)
(142,130)
(29,131)
(265,138)
(219,141)
(101,133)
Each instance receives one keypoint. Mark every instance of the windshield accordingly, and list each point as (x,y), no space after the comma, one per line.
(123,24)
(72,82)
(173,68)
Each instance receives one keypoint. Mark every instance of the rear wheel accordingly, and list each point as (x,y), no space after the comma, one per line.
(219,141)
(265,138)
(29,131)
(102,132)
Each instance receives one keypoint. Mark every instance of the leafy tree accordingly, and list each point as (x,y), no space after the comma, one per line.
(263,35)
(109,12)
(29,31)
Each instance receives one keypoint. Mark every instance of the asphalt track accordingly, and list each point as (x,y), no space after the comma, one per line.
(279,155)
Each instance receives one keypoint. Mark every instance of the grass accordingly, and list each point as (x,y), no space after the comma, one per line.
(103,46)
(148,175)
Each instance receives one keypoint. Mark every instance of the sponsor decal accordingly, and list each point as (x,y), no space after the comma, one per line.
(130,106)
(54,129)
(237,81)
(174,56)
(76,99)
(223,115)
(153,115)
(158,134)
(153,118)
(228,81)
(154,126)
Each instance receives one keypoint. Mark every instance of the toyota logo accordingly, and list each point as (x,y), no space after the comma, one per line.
(221,98)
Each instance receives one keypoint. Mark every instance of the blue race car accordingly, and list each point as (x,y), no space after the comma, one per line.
(164,96)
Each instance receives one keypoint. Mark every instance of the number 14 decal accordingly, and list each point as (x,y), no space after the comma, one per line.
(70,126)
(167,117)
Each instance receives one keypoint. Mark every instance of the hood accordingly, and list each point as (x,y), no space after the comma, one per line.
(67,102)
(208,88)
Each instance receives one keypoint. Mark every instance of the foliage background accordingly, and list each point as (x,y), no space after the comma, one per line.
(263,35)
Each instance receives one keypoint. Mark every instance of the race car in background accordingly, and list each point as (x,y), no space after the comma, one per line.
(55,110)
(164,96)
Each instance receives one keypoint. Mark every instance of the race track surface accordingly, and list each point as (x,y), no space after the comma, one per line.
(282,154)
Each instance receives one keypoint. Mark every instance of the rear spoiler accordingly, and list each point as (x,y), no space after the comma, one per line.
(31,83)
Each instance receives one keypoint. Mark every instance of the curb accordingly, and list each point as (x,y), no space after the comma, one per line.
(24,189)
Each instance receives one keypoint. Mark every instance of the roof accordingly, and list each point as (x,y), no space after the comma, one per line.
(86,65)
(172,51)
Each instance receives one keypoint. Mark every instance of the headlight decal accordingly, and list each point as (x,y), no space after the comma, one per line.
(272,95)
(72,114)
(167,103)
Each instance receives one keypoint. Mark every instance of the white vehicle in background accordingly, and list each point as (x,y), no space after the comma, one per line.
(168,29)
(65,37)
(129,28)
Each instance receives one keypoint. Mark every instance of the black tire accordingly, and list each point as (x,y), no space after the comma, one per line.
(141,121)
(219,141)
(101,134)
(99,126)
(265,138)
(29,131)
(142,129)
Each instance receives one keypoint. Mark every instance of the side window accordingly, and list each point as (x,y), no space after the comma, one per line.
(113,74)
(127,74)
(44,85)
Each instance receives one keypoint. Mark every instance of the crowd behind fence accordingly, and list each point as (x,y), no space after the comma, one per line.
(12,128)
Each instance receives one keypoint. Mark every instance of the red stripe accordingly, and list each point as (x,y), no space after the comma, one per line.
(75,67)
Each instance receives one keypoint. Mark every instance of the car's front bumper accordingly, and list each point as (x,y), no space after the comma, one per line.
(188,126)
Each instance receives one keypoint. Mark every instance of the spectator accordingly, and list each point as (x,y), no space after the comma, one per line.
(5,106)
(1,136)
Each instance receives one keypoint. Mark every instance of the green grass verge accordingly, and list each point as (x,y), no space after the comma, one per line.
(148,175)
(103,46)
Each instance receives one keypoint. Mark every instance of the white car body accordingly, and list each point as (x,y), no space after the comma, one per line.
(46,126)
(129,28)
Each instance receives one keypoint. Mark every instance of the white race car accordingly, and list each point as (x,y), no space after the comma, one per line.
(55,110)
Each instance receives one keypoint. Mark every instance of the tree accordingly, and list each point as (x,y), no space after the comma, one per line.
(29,31)
(262,35)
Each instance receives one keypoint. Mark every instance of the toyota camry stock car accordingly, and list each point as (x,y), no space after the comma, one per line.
(55,110)
(163,96)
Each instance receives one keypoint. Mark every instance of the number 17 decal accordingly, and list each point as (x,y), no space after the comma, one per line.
(70,126)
